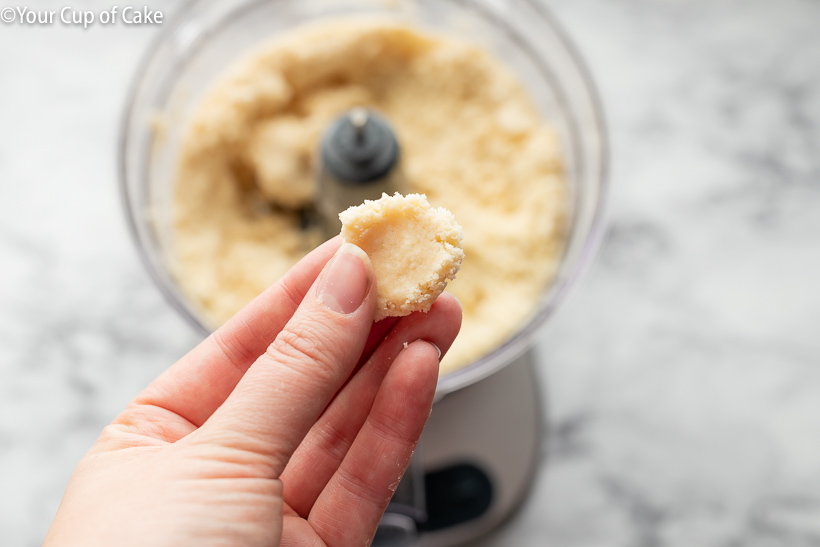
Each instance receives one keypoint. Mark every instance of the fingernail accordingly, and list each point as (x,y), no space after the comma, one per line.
(432,344)
(437,350)
(460,305)
(345,280)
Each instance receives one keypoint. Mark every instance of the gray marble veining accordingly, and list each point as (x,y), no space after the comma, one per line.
(683,374)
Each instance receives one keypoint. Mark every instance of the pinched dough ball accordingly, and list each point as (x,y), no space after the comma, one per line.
(414,248)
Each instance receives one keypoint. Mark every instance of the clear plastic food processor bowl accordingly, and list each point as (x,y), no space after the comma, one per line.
(209,35)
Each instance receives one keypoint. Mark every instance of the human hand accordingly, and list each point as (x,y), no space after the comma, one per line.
(290,425)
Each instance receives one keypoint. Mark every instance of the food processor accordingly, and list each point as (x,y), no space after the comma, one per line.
(481,446)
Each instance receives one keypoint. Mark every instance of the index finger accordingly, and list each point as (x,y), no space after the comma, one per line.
(196,385)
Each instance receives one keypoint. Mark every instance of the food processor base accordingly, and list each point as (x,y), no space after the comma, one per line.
(480,452)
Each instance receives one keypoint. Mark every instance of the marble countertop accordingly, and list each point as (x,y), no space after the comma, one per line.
(683,374)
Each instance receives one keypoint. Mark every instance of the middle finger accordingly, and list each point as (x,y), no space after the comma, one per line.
(318,456)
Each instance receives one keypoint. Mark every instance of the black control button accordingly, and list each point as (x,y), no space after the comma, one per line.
(455,495)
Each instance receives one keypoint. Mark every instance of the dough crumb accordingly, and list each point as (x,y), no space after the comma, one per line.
(414,248)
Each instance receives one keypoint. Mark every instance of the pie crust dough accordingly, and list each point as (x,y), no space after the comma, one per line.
(415,250)
(471,140)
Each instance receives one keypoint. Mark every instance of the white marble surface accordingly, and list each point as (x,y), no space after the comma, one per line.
(684,373)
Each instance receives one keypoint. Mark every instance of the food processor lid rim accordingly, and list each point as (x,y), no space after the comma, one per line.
(138,235)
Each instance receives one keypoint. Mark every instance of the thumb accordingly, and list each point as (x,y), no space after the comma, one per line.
(283,393)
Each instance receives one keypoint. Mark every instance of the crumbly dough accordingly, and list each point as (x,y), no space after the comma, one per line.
(472,142)
(415,250)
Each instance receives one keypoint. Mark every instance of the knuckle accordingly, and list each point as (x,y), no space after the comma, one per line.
(306,350)
(391,429)
(234,352)
(290,296)
(365,489)
(333,440)
(250,453)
